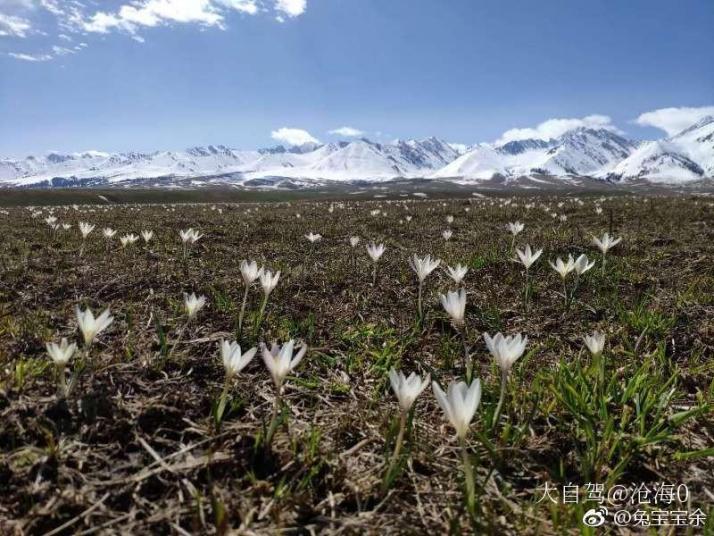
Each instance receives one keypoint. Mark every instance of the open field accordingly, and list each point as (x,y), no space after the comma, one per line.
(139,446)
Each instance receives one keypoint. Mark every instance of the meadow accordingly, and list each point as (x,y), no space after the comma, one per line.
(149,424)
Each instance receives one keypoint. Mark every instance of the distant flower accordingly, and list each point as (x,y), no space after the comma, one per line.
(458,273)
(527,257)
(280,360)
(454,304)
(375,251)
(147,235)
(61,353)
(423,266)
(595,343)
(354,240)
(564,268)
(606,243)
(313,237)
(250,271)
(505,350)
(582,264)
(449,219)
(459,404)
(447,234)
(407,389)
(193,304)
(233,360)
(269,281)
(515,228)
(85,229)
(66,226)
(190,236)
(129,239)
(108,232)
(91,326)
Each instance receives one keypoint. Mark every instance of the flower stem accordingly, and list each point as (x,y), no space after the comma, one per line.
(242,310)
(468,478)
(466,360)
(274,420)
(501,398)
(419,301)
(374,275)
(397,449)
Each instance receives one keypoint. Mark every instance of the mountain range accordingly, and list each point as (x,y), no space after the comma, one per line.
(582,152)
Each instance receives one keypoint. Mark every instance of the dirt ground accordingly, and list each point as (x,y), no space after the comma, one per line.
(134,448)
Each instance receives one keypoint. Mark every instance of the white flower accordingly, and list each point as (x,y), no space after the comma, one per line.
(449,219)
(250,271)
(407,389)
(85,229)
(233,360)
(193,304)
(595,343)
(375,251)
(606,243)
(582,265)
(66,226)
(408,218)
(459,403)
(90,326)
(505,350)
(190,236)
(147,235)
(269,281)
(354,240)
(564,268)
(280,360)
(458,273)
(447,234)
(128,239)
(423,266)
(313,237)
(108,232)
(454,304)
(51,220)
(515,227)
(527,256)
(61,353)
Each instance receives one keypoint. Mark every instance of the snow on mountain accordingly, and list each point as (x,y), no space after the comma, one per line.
(684,157)
(582,151)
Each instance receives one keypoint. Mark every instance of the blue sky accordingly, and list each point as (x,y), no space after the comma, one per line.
(168,74)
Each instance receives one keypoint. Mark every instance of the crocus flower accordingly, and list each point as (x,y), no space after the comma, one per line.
(269,281)
(563,268)
(108,232)
(582,265)
(147,235)
(505,350)
(454,304)
(354,241)
(527,257)
(61,353)
(375,251)
(595,343)
(280,360)
(458,273)
(423,266)
(459,403)
(91,326)
(313,237)
(407,389)
(250,271)
(515,227)
(233,360)
(129,239)
(193,304)
(606,243)
(85,229)
(447,234)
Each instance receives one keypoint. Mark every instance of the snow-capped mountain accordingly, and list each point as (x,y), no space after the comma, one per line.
(581,152)
(684,157)
(355,160)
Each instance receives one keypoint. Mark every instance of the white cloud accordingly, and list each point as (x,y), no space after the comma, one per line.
(14,26)
(552,128)
(674,120)
(348,132)
(293,136)
(291,8)
(30,57)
